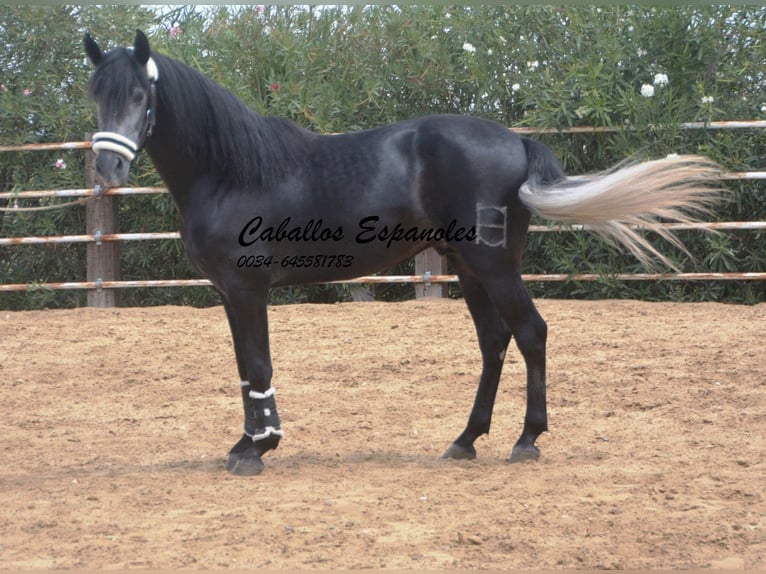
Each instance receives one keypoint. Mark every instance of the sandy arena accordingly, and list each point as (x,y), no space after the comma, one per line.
(116,424)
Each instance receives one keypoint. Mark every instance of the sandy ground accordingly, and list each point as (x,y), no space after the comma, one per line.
(116,424)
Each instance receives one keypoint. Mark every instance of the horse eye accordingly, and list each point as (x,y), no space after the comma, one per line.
(137,95)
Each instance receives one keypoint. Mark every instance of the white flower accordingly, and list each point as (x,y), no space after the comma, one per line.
(707,99)
(533,65)
(468,47)
(641,52)
(647,90)
(763,107)
(660,79)
(490,52)
(516,87)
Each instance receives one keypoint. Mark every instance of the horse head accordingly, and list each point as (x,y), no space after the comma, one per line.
(123,87)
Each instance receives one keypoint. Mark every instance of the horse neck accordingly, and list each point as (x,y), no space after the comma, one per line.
(198,133)
(176,169)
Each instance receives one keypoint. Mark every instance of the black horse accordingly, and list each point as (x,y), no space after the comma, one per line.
(264,203)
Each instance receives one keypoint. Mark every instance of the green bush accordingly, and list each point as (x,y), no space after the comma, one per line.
(337,69)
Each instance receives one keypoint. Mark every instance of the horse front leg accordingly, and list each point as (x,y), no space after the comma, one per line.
(248,320)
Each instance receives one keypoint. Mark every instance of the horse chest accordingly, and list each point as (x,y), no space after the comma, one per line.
(206,241)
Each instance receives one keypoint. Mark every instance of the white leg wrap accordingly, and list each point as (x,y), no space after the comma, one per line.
(267,432)
(261,419)
(256,395)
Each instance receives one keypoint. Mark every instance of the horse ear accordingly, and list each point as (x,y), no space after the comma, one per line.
(92,49)
(141,48)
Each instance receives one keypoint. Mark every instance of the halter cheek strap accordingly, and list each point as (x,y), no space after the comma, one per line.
(127,148)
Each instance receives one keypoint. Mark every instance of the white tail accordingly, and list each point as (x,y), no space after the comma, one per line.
(678,188)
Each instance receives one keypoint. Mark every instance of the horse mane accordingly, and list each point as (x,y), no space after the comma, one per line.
(230,141)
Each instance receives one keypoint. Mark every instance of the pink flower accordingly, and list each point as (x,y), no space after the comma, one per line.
(60,164)
(175,30)
(260,8)
(27,92)
(274,87)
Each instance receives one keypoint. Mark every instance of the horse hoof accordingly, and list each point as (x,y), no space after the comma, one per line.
(524,453)
(244,466)
(459,452)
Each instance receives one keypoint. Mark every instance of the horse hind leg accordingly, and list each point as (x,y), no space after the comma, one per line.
(531,332)
(494,335)
(517,313)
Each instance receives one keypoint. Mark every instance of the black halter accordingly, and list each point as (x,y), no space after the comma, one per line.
(150,119)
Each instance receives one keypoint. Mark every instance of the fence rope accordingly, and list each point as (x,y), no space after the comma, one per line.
(18,209)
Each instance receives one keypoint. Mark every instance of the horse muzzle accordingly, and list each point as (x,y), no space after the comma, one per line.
(114,156)
(112,169)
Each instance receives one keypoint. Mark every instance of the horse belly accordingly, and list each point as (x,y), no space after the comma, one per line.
(359,250)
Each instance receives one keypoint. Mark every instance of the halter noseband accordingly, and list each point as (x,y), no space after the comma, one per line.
(112,141)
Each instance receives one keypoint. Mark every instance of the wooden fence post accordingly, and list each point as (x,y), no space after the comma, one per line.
(429,261)
(103,258)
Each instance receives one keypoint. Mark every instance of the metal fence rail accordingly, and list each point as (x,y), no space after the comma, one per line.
(98,192)
(381,279)
(717,125)
(106,237)
(99,238)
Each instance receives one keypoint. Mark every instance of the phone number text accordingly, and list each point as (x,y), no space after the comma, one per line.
(296,261)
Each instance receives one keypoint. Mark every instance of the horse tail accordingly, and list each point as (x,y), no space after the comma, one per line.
(614,203)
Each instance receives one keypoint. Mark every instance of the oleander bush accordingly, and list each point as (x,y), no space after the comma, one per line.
(642,71)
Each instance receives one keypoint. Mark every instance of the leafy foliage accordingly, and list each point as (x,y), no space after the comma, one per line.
(641,71)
